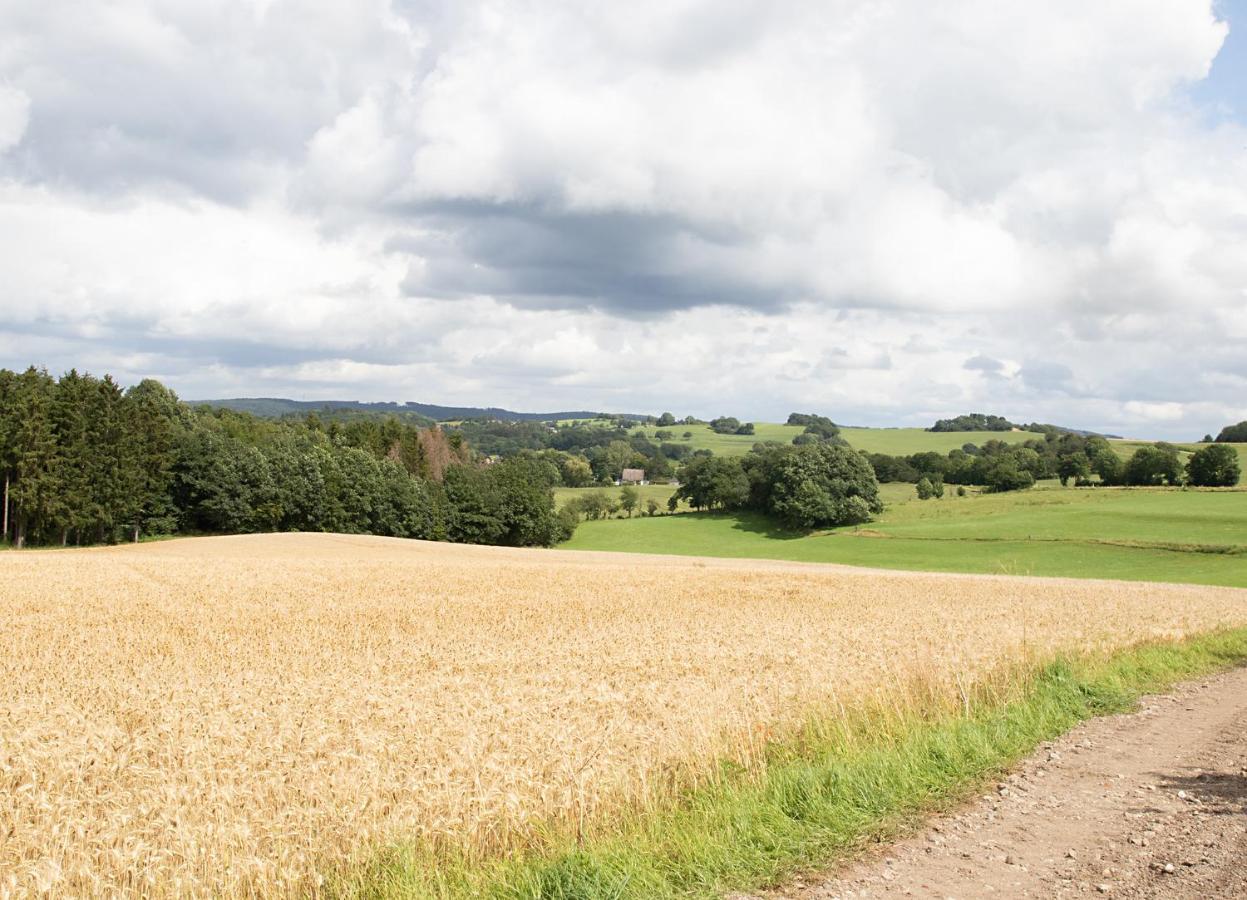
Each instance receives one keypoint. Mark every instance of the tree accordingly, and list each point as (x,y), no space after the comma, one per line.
(521,491)
(711,482)
(618,456)
(665,420)
(1108,465)
(1153,465)
(725,425)
(36,490)
(1215,465)
(1074,466)
(925,490)
(594,505)
(8,442)
(1003,473)
(576,471)
(651,507)
(822,485)
(629,497)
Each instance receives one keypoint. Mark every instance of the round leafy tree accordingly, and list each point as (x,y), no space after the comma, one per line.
(822,485)
(1215,465)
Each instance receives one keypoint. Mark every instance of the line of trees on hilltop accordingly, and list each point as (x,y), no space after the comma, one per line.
(973,422)
(818,429)
(85,461)
(1083,460)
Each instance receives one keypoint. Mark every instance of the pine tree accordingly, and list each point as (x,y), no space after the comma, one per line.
(70,404)
(36,492)
(8,442)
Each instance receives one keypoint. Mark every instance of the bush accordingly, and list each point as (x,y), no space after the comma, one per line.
(1215,465)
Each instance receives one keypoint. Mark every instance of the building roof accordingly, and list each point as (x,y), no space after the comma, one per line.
(632,475)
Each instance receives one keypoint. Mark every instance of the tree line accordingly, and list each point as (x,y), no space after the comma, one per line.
(1084,460)
(85,461)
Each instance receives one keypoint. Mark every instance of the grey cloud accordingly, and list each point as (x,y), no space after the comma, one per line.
(984,364)
(626,263)
(1047,376)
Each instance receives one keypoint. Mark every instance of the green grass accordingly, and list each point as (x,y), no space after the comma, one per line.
(905,441)
(823,792)
(726,444)
(1151,534)
(893,441)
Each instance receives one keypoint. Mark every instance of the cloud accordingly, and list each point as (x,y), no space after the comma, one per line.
(985,366)
(875,208)
(14,116)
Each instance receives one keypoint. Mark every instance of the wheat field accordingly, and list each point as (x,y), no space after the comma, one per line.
(250,715)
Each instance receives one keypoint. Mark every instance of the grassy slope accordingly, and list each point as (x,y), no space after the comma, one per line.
(823,793)
(873,440)
(1148,535)
(893,441)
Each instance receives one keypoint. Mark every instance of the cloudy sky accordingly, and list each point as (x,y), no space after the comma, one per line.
(879,211)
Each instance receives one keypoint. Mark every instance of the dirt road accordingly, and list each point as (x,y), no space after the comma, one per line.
(1151,804)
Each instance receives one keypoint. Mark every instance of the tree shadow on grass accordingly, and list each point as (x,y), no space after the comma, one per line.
(755,523)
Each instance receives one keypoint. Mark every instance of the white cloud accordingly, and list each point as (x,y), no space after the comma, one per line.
(823,205)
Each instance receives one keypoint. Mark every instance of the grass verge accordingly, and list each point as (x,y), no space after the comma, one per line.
(815,796)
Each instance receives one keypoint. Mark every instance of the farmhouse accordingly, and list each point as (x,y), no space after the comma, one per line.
(633,476)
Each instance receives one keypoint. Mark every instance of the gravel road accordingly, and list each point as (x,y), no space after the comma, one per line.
(1150,804)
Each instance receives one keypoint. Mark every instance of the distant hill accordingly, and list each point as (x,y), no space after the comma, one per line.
(277,407)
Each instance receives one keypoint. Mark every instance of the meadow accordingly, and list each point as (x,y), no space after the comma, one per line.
(270,715)
(1144,534)
(894,441)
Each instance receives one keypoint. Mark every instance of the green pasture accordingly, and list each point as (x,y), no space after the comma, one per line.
(893,441)
(1144,534)
(905,441)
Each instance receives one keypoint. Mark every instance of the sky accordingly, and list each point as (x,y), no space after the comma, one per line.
(878,210)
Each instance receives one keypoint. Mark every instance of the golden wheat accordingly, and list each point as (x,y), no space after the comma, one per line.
(245,715)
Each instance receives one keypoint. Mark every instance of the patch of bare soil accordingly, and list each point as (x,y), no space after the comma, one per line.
(1150,804)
